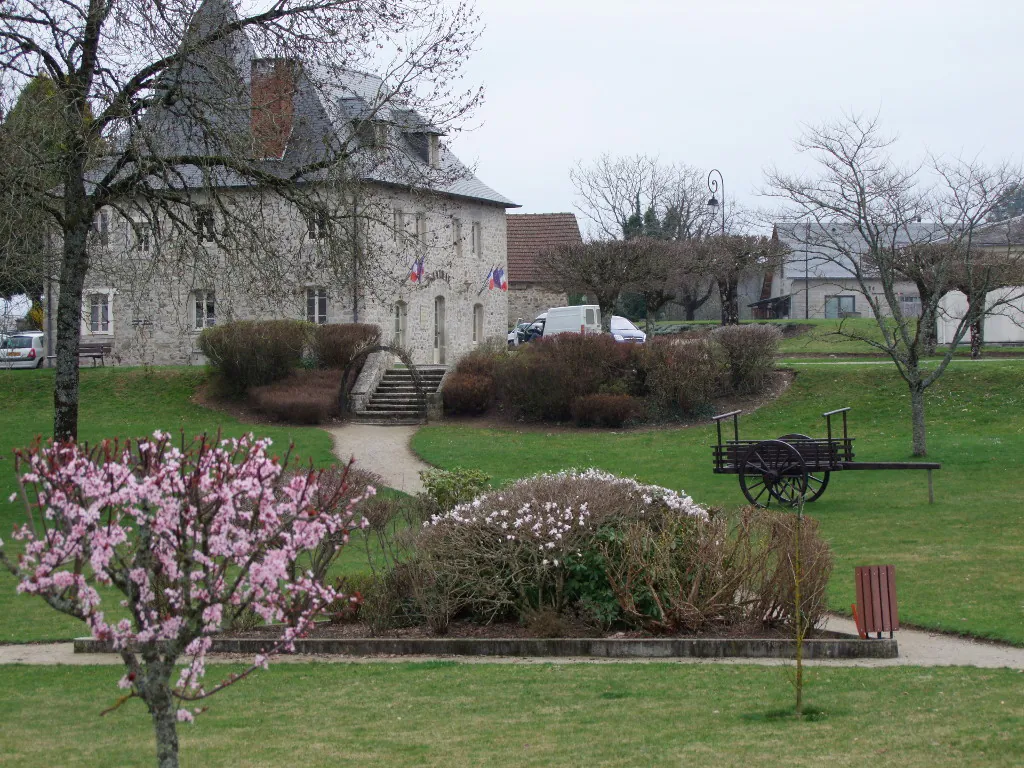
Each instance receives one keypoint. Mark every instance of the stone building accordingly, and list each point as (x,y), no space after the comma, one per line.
(403,235)
(529,235)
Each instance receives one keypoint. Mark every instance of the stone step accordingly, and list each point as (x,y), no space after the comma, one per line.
(386,421)
(411,397)
(389,408)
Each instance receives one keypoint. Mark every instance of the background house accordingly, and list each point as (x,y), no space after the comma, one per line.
(817,278)
(529,235)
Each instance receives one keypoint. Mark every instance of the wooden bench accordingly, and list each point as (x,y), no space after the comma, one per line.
(875,609)
(97,350)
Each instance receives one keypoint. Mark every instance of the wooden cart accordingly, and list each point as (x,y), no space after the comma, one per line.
(782,471)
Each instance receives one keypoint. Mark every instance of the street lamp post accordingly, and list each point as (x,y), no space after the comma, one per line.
(714,185)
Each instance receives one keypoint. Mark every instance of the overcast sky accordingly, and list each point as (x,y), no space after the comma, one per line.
(727,83)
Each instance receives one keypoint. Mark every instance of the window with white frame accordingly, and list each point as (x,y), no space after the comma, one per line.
(478,323)
(316,225)
(400,314)
(204,224)
(457,236)
(101,227)
(143,234)
(910,306)
(204,309)
(316,305)
(839,306)
(477,240)
(97,312)
(399,225)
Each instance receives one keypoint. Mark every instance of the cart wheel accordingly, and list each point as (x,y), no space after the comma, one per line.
(817,481)
(773,471)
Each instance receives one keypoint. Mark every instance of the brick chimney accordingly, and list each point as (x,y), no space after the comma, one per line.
(272,111)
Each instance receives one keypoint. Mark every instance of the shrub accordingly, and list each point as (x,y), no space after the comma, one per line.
(305,397)
(680,376)
(605,410)
(750,352)
(251,353)
(615,551)
(511,552)
(483,361)
(466,393)
(448,487)
(333,346)
(540,381)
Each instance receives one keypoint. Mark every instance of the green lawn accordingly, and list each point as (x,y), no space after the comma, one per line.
(960,562)
(443,714)
(115,402)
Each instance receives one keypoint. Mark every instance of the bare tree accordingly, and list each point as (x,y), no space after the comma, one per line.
(612,189)
(870,216)
(174,118)
(601,269)
(731,258)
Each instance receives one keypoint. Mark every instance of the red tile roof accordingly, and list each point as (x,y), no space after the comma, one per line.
(531,233)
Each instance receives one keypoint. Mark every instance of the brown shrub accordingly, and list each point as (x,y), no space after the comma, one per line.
(540,381)
(680,376)
(251,353)
(605,410)
(481,362)
(335,344)
(305,397)
(466,393)
(750,352)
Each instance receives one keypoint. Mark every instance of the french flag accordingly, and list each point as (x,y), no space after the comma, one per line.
(499,278)
(416,272)
(490,279)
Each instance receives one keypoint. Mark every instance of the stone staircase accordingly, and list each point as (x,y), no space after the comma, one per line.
(396,401)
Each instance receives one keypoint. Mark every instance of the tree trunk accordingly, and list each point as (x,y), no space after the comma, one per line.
(931,329)
(977,336)
(690,308)
(728,295)
(917,419)
(157,695)
(73,269)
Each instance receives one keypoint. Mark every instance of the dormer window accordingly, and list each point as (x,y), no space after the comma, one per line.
(433,150)
(372,133)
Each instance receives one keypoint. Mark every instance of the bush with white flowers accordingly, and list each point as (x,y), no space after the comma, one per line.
(609,551)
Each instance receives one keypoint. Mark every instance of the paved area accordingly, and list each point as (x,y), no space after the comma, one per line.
(917,649)
(383,450)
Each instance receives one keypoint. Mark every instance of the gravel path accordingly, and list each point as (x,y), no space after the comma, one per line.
(383,450)
(917,649)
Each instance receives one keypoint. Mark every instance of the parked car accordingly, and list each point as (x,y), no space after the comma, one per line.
(623,330)
(23,350)
(527,331)
(581,319)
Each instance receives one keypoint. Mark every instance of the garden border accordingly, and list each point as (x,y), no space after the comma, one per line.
(840,646)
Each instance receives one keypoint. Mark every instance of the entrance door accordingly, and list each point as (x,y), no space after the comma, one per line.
(439,331)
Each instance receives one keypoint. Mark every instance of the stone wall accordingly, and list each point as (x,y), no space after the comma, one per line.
(151,293)
(526,301)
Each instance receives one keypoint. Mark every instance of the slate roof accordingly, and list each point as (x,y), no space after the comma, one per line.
(529,234)
(326,106)
(828,250)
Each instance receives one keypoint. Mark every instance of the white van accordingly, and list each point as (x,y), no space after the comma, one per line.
(583,319)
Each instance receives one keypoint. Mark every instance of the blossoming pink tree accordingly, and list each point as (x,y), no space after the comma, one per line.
(191,536)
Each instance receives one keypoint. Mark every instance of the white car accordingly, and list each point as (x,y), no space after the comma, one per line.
(23,350)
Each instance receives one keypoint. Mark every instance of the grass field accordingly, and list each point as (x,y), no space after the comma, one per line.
(959,561)
(443,714)
(115,402)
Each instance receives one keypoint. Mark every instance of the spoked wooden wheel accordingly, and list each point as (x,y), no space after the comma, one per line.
(817,481)
(772,472)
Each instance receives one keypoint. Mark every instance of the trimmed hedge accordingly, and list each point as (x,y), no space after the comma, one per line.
(305,397)
(466,393)
(254,353)
(335,345)
(750,352)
